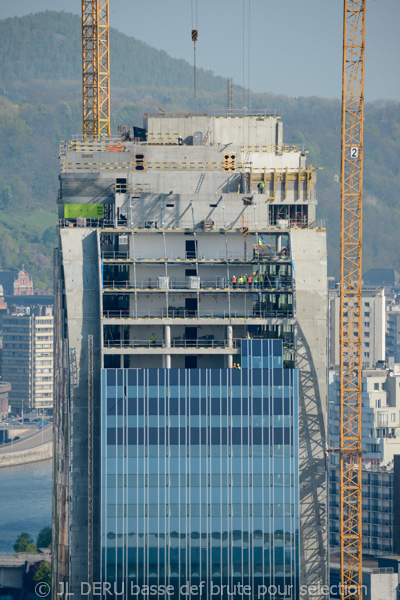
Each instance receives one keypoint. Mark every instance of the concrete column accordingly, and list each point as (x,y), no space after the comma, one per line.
(279,243)
(121,361)
(130,242)
(167,342)
(166,361)
(229,339)
(167,336)
(132,305)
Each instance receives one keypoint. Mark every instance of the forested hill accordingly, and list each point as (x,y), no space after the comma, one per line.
(40,104)
(47,46)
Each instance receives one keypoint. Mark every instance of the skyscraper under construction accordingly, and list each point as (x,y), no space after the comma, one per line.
(191,361)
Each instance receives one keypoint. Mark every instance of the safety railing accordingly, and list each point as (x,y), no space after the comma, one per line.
(297,224)
(236,258)
(100,144)
(271,284)
(187,165)
(174,343)
(279,149)
(317,224)
(138,188)
(163,138)
(244,112)
(84,222)
(182,313)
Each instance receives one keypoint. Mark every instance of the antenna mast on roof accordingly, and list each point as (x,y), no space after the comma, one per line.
(195,37)
(230,96)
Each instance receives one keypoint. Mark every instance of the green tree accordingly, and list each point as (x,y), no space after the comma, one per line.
(39,572)
(43,573)
(24,543)
(44,538)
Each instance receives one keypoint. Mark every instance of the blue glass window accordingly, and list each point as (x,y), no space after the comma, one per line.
(199,469)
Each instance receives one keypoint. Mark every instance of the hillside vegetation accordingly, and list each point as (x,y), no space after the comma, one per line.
(40,104)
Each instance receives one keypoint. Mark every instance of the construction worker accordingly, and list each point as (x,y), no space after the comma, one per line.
(153,339)
(256,278)
(261,281)
(261,187)
(244,280)
(248,336)
(234,281)
(240,281)
(239,366)
(250,281)
(234,366)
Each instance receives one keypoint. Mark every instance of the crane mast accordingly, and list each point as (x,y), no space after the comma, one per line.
(350,449)
(95,68)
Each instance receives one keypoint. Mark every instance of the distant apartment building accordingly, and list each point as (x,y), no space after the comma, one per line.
(373,327)
(5,389)
(27,361)
(393,330)
(380,443)
(380,413)
(43,359)
(377,506)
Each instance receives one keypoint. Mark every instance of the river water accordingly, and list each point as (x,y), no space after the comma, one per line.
(25,501)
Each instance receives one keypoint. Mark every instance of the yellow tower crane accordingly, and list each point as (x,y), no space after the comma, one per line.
(350,450)
(95,68)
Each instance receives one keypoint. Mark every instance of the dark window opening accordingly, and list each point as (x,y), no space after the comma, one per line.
(190,334)
(191,248)
(191,307)
(190,362)
(121,186)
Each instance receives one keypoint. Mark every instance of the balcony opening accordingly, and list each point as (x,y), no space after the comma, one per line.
(191,249)
(191,307)
(190,336)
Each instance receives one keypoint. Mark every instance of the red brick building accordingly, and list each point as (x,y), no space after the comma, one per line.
(23,285)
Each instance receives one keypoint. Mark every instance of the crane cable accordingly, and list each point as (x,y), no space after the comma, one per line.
(248,51)
(195,36)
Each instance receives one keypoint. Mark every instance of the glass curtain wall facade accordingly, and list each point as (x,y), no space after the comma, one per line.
(200,478)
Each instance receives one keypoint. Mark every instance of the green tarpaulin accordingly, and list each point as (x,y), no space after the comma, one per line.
(89,211)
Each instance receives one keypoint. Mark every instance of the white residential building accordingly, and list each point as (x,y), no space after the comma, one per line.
(373,327)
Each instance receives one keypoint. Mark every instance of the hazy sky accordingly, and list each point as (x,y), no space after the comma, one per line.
(295,45)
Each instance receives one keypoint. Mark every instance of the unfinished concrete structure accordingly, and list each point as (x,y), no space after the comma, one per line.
(158,237)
